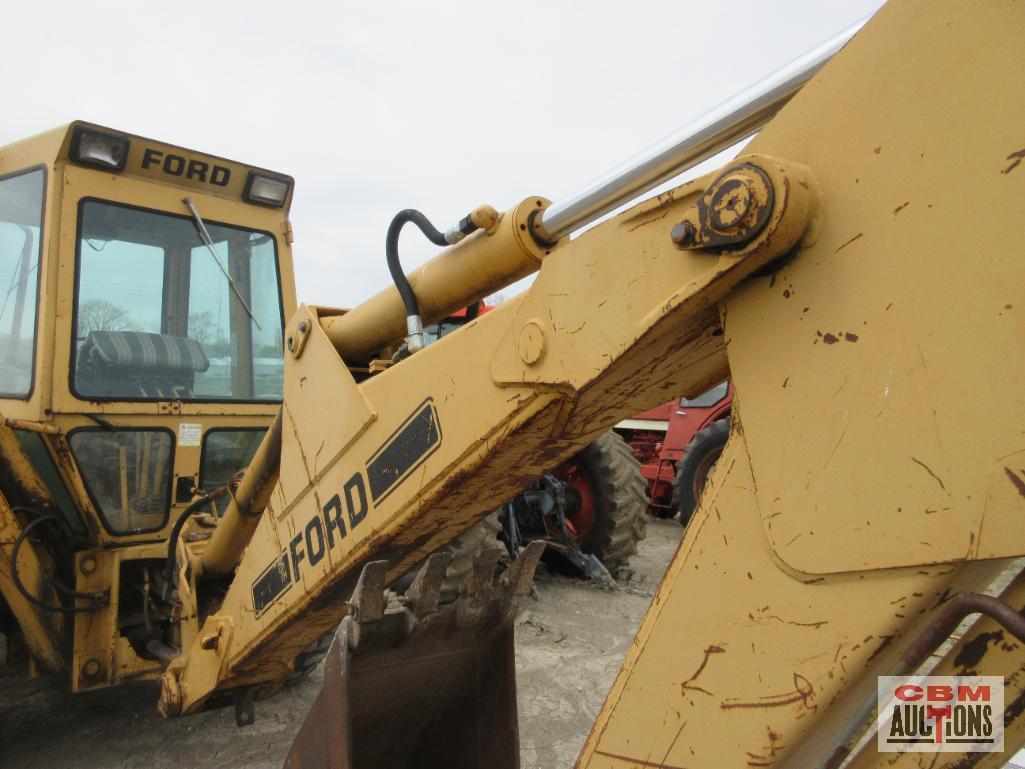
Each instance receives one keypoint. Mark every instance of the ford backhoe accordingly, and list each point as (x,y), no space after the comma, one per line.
(202,478)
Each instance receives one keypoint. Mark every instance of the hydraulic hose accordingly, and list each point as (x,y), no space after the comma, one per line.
(16,577)
(414,324)
(176,530)
(485,216)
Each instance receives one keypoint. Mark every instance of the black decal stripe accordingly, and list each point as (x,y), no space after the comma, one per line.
(405,450)
(275,580)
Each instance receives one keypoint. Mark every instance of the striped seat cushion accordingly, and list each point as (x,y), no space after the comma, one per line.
(141,350)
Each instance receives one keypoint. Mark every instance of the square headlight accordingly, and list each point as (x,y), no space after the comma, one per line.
(266,190)
(99,150)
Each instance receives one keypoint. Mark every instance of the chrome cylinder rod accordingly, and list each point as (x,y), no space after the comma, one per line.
(715,130)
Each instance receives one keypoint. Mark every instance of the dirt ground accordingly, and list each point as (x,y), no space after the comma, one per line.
(570,641)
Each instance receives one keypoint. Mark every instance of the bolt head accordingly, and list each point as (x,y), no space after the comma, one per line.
(683,234)
(87,565)
(91,669)
(731,202)
(291,343)
(303,325)
(531,342)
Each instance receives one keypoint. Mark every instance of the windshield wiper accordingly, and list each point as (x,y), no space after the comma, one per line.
(209,243)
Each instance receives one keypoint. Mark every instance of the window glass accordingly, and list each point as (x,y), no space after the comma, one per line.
(21,215)
(159,316)
(225,452)
(128,475)
(709,398)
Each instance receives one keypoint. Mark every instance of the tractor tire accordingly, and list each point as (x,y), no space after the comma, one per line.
(464,549)
(696,465)
(619,517)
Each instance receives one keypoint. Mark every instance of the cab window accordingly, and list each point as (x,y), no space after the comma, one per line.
(708,398)
(21,217)
(160,316)
(128,475)
(225,452)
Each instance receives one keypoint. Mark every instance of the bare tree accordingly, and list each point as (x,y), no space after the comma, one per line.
(101,315)
(202,327)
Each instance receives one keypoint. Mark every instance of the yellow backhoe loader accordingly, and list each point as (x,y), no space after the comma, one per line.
(858,269)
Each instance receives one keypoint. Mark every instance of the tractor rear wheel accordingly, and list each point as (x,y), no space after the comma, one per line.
(464,550)
(696,465)
(608,515)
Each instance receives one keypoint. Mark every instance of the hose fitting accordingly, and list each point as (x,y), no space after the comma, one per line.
(482,217)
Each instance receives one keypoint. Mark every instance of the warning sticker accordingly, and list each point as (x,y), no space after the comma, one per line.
(189,434)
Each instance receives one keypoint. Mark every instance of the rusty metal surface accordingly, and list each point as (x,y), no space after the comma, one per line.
(940,628)
(986,647)
(417,685)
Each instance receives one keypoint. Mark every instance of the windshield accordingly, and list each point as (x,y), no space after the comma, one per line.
(157,319)
(709,398)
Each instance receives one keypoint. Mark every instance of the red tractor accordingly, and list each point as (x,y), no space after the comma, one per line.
(678,444)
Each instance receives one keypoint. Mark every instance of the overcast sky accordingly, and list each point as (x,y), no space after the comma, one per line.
(375,107)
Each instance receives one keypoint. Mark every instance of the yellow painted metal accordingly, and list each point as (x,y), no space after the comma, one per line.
(102,655)
(739,660)
(506,418)
(875,461)
(40,630)
(896,335)
(478,266)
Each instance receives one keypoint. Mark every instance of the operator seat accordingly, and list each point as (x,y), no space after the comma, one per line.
(133,364)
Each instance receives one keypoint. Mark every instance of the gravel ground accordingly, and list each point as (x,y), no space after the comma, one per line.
(571,638)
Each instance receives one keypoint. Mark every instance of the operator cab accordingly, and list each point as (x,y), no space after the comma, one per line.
(145,289)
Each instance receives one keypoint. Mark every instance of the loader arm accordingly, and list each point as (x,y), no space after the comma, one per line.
(858,271)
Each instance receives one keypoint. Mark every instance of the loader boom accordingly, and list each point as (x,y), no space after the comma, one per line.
(810,566)
(857,272)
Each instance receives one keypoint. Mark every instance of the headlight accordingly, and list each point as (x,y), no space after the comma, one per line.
(266,190)
(99,150)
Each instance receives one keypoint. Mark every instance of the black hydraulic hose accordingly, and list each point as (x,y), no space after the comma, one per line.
(16,577)
(172,541)
(391,250)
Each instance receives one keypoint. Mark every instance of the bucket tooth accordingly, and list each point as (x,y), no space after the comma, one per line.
(476,590)
(422,596)
(422,685)
(518,578)
(368,601)
(371,622)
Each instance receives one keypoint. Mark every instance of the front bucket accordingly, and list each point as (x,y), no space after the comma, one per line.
(410,684)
